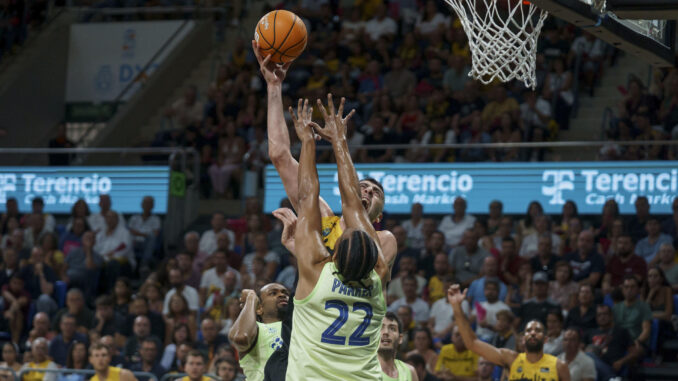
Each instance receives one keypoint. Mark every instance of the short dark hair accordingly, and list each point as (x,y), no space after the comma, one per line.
(375,182)
(224,359)
(38,200)
(393,317)
(105,301)
(149,340)
(416,360)
(633,278)
(98,346)
(410,277)
(492,281)
(197,353)
(67,316)
(356,256)
(605,306)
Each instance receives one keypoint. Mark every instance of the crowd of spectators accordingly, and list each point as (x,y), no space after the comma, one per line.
(645,114)
(17,18)
(403,66)
(75,280)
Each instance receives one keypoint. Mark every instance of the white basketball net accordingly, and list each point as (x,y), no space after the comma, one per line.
(503,40)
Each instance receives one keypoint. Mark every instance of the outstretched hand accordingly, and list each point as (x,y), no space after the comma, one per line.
(302,121)
(455,296)
(335,123)
(273,73)
(289,220)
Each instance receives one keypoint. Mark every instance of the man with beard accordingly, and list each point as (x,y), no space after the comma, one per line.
(391,337)
(532,365)
(256,332)
(625,262)
(100,358)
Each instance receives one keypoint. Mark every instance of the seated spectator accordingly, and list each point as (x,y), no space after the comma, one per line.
(500,103)
(37,208)
(60,345)
(9,266)
(114,243)
(16,302)
(406,316)
(419,307)
(520,292)
(435,244)
(180,335)
(583,316)
(454,226)
(211,338)
(504,336)
(53,256)
(419,365)
(476,291)
(526,225)
(456,360)
(637,224)
(226,368)
(192,247)
(39,279)
(633,313)
(537,307)
(75,306)
(97,221)
(407,268)
(587,264)
(116,358)
(670,223)
(467,259)
(553,344)
(380,25)
(611,346)
(35,230)
(208,241)
(530,245)
(441,315)
(139,307)
(180,287)
(474,134)
(212,280)
(436,284)
(509,261)
(40,360)
(648,247)
(399,80)
(179,313)
(123,295)
(485,312)
(145,228)
(187,110)
(591,51)
(10,360)
(563,290)
(545,259)
(623,264)
(607,245)
(106,321)
(535,112)
(659,297)
(80,209)
(456,75)
(152,292)
(581,366)
(423,346)
(83,265)
(668,264)
(229,314)
(142,331)
(225,172)
(41,328)
(148,359)
(402,247)
(72,238)
(377,136)
(271,258)
(558,85)
(185,265)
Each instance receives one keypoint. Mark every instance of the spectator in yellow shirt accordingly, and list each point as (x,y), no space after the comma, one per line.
(455,361)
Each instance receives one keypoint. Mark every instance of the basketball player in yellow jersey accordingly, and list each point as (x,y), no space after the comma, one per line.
(339,302)
(391,338)
(533,365)
(196,367)
(371,192)
(100,358)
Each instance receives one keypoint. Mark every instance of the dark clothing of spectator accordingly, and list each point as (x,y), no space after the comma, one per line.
(84,319)
(210,350)
(131,349)
(157,370)
(58,348)
(586,323)
(582,268)
(61,159)
(79,275)
(549,268)
(157,325)
(669,227)
(636,228)
(385,139)
(32,279)
(426,263)
(610,344)
(110,327)
(618,270)
(534,310)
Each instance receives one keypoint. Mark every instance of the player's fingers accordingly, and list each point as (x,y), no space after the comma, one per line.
(294,118)
(300,105)
(309,113)
(286,65)
(323,111)
(330,103)
(266,60)
(255,47)
(349,116)
(304,111)
(340,112)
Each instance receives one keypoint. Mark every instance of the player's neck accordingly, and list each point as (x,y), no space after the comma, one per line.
(103,374)
(387,361)
(534,356)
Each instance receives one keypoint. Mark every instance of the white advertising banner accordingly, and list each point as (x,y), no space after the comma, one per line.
(103,58)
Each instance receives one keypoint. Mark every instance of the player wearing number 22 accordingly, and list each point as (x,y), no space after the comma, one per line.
(339,301)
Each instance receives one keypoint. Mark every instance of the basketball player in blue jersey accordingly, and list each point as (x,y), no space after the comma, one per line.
(339,301)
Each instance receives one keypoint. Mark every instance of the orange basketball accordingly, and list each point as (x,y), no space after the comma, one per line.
(281,34)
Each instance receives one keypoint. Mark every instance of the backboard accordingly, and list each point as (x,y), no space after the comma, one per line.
(621,24)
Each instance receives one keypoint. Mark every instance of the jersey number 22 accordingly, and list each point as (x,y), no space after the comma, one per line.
(356,339)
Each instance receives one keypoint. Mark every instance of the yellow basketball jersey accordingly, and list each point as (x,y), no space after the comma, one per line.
(331,231)
(542,370)
(113,375)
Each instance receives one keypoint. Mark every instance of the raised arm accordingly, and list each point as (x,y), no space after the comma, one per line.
(308,241)
(244,331)
(502,357)
(278,134)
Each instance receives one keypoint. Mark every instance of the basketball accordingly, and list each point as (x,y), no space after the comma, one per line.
(282,34)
